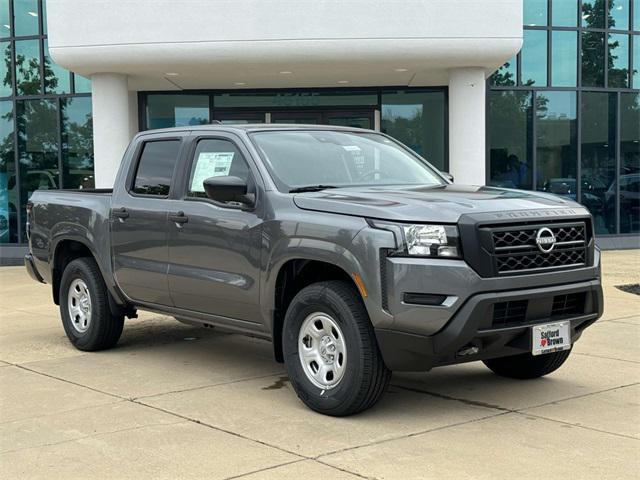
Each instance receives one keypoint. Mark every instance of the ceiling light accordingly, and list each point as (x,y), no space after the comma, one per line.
(33,14)
(343,81)
(400,70)
(8,27)
(285,72)
(172,74)
(239,84)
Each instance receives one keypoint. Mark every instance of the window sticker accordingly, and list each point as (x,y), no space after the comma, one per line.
(210,164)
(357,155)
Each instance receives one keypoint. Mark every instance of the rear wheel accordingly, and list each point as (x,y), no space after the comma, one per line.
(84,307)
(331,352)
(527,366)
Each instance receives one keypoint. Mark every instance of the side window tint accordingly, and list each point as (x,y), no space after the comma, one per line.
(216,158)
(155,168)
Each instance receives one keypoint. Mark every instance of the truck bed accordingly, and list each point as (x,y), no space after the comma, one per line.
(82,215)
(86,190)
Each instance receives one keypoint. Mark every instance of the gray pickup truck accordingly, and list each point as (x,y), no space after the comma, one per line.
(345,249)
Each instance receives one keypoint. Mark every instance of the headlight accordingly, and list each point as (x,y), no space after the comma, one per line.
(423,240)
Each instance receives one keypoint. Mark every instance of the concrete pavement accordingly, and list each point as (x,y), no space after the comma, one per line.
(174,401)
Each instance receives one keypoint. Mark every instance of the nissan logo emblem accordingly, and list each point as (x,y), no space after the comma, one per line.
(545,239)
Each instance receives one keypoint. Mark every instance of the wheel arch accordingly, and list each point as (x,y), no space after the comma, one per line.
(67,249)
(289,278)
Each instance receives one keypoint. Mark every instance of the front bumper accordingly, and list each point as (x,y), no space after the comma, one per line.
(473,325)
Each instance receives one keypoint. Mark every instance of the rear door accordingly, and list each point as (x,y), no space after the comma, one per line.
(139,221)
(214,249)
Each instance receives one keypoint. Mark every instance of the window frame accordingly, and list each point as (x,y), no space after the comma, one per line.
(184,173)
(133,172)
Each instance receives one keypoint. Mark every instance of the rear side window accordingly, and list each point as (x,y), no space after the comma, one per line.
(155,168)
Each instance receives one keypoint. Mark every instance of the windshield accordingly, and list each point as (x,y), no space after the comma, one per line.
(304,158)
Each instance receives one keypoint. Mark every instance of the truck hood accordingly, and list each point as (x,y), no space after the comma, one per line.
(426,203)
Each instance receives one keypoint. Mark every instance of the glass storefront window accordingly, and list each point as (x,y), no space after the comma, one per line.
(592,62)
(177,110)
(533,58)
(44,17)
(593,13)
(294,99)
(417,119)
(25,14)
(8,190)
(28,67)
(506,74)
(557,144)
(593,59)
(510,138)
(535,12)
(37,124)
(564,13)
(598,162)
(564,58)
(636,60)
(629,163)
(619,14)
(5,19)
(82,84)
(618,60)
(56,78)
(6,88)
(77,142)
(31,130)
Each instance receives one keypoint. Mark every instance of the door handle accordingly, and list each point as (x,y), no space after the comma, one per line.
(178,217)
(120,213)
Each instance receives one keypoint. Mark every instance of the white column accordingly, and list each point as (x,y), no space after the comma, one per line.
(113,124)
(467,125)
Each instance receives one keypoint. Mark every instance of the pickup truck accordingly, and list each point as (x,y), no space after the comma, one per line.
(345,249)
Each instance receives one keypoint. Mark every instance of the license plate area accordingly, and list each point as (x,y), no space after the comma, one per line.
(550,337)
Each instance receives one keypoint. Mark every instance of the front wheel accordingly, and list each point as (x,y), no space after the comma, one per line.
(331,352)
(525,366)
(84,307)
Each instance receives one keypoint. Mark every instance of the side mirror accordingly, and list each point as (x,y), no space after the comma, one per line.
(448,176)
(226,189)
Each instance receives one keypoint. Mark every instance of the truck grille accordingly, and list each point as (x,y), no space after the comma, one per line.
(515,249)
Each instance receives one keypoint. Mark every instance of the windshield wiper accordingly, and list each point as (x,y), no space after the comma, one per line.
(311,188)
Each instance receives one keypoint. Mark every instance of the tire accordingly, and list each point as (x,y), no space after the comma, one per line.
(98,329)
(357,381)
(527,366)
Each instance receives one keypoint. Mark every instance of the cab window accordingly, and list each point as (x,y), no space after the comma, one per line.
(155,167)
(215,158)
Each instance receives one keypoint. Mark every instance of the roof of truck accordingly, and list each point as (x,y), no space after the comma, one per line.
(252,127)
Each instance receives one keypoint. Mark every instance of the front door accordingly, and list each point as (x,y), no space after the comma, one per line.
(358,118)
(239,118)
(214,248)
(139,223)
(349,118)
(297,117)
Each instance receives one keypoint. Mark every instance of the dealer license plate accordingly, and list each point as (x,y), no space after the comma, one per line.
(551,337)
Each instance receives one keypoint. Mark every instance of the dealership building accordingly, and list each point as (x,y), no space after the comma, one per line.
(541,95)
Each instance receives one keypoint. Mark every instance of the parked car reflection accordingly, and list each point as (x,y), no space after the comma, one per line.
(567,187)
(629,202)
